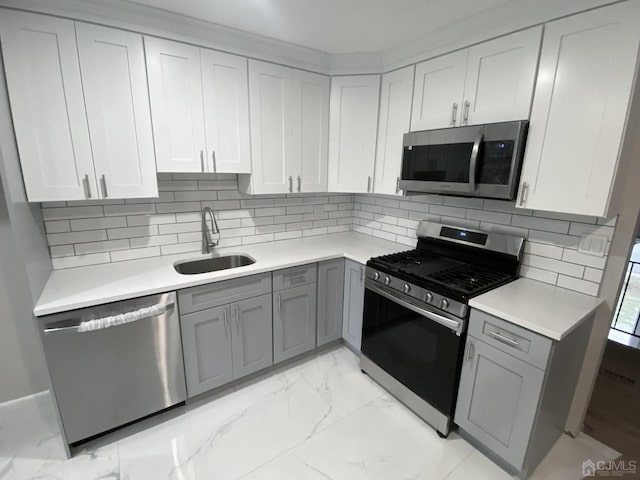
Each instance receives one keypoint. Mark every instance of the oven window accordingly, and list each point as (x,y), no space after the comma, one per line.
(420,353)
(447,163)
(495,167)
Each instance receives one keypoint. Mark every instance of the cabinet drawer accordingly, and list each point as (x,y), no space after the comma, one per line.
(294,277)
(517,341)
(214,294)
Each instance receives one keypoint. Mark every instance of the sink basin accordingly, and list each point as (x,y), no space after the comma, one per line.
(193,267)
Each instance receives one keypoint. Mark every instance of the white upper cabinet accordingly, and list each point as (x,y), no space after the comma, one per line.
(271,107)
(439,87)
(289,130)
(45,90)
(117,102)
(395,116)
(579,111)
(353,116)
(501,75)
(310,130)
(226,112)
(175,91)
(490,82)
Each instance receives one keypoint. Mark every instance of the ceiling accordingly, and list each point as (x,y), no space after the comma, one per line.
(333,26)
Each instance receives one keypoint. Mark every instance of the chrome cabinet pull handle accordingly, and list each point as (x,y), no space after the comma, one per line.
(369,184)
(213,157)
(202,161)
(299,183)
(87,187)
(466,112)
(226,323)
(503,339)
(103,179)
(398,185)
(279,300)
(523,193)
(238,319)
(471,352)
(290,184)
(454,114)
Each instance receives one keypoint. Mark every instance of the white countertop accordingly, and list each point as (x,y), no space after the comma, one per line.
(542,308)
(94,285)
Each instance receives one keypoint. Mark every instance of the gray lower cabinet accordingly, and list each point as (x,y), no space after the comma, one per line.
(516,389)
(294,321)
(226,343)
(353,303)
(330,301)
(498,399)
(252,335)
(206,341)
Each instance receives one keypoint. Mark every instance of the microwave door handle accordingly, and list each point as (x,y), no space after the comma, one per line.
(473,165)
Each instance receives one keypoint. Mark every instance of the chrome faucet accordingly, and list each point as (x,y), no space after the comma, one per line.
(207,243)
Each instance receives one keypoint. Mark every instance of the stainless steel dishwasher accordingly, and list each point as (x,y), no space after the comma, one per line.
(115,363)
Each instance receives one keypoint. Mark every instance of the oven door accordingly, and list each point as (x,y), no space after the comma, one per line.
(419,348)
(442,161)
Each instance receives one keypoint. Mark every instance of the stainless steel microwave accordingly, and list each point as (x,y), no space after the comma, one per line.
(476,161)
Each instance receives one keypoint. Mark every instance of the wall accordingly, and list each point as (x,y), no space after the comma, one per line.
(87,233)
(24,268)
(551,254)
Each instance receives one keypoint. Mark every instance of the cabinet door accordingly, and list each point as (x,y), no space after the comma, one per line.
(117,101)
(226,112)
(501,75)
(330,301)
(271,94)
(206,342)
(175,92)
(439,87)
(395,117)
(252,335)
(498,400)
(294,322)
(310,130)
(585,80)
(353,303)
(45,90)
(353,122)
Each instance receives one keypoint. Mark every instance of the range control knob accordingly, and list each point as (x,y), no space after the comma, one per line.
(387,280)
(406,287)
(429,297)
(376,275)
(444,303)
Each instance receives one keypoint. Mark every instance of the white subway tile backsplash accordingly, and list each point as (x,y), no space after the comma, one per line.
(132,232)
(57,226)
(137,209)
(98,223)
(98,247)
(537,223)
(88,233)
(583,286)
(76,237)
(135,253)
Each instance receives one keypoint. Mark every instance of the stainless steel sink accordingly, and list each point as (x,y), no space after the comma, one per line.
(194,267)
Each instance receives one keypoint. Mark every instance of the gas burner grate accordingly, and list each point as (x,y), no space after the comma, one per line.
(468,279)
(404,259)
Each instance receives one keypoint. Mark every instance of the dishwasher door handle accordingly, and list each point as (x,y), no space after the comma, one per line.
(113,320)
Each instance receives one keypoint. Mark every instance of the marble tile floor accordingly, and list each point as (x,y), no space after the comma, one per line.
(319,419)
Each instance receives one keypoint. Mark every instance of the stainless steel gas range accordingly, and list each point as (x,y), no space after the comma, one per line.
(416,311)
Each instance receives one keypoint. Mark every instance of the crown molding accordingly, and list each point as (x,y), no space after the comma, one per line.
(160,23)
(489,24)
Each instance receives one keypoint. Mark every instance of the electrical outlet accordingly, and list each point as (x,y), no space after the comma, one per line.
(593,244)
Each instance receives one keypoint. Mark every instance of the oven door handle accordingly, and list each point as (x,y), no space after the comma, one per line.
(447,322)
(473,164)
